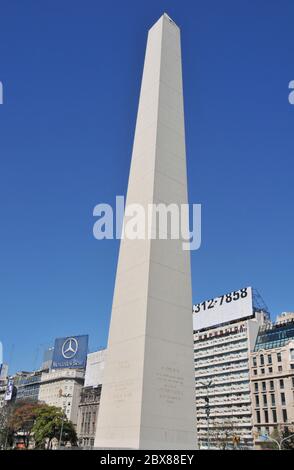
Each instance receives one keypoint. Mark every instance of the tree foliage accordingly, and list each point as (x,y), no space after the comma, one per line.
(27,420)
(23,418)
(48,425)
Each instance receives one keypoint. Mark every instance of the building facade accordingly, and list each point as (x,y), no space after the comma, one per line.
(62,388)
(222,369)
(3,383)
(90,399)
(27,385)
(87,415)
(3,387)
(272,376)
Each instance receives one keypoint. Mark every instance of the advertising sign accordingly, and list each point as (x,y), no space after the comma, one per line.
(70,352)
(232,306)
(9,390)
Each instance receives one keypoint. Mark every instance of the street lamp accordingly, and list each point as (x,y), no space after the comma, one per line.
(266,437)
(207,410)
(66,395)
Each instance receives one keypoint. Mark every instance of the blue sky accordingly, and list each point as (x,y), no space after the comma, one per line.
(71,73)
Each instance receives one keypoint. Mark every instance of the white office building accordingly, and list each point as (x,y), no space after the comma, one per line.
(225,330)
(62,388)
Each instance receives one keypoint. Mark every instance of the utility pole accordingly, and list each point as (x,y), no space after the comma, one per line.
(66,395)
(207,409)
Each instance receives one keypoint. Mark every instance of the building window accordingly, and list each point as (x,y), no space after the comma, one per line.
(283,400)
(270,370)
(279,357)
(280,368)
(266,416)
(256,385)
(264,397)
(281,383)
(292,381)
(261,359)
(274,413)
(258,416)
(263,386)
(273,399)
(254,362)
(285,417)
(272,385)
(262,371)
(257,400)
(254,371)
(269,359)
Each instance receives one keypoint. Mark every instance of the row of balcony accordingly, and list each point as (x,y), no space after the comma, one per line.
(227,411)
(221,369)
(230,400)
(230,357)
(223,389)
(219,340)
(229,378)
(221,349)
(244,421)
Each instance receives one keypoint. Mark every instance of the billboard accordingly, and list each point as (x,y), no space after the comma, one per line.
(232,306)
(70,352)
(9,390)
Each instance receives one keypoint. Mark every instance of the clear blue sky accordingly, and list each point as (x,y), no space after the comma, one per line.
(71,72)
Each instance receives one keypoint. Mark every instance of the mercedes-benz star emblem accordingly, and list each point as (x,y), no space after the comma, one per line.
(69,348)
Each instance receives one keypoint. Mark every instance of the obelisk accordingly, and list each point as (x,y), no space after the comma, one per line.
(148,392)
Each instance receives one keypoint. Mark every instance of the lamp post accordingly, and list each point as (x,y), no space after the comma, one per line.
(279,444)
(285,439)
(66,395)
(207,410)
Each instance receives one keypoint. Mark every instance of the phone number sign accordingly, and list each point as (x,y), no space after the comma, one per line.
(228,307)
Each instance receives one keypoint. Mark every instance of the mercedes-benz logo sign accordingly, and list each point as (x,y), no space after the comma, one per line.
(69,348)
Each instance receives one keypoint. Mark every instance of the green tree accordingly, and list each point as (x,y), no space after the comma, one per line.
(48,425)
(280,433)
(23,418)
(288,444)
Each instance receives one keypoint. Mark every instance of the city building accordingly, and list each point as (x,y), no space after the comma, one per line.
(3,387)
(47,359)
(62,388)
(225,331)
(27,385)
(3,371)
(3,383)
(272,376)
(90,398)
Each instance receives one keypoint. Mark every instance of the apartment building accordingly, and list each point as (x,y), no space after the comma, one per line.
(3,387)
(27,385)
(225,331)
(90,398)
(62,388)
(272,376)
